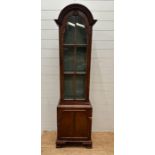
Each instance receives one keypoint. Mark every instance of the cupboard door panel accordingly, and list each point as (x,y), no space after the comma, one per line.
(81,124)
(66,124)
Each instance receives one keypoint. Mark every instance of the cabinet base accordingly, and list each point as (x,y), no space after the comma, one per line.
(63,143)
(74,124)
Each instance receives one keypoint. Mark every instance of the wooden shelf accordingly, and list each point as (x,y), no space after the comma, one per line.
(79,73)
(75,44)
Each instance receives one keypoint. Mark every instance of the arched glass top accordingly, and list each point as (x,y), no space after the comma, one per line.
(75,32)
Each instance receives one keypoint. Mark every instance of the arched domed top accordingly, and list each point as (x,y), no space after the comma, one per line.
(75,7)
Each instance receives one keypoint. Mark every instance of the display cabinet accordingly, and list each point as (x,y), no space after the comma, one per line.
(74,111)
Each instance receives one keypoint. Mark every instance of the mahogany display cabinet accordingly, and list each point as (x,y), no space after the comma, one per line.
(74,110)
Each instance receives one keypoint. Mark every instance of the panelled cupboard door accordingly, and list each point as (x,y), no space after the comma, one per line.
(74,123)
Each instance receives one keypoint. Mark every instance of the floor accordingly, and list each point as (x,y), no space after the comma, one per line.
(103,144)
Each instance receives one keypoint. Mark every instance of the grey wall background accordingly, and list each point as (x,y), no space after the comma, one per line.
(101,82)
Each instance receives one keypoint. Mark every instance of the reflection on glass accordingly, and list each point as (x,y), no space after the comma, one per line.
(80,31)
(68,87)
(68,59)
(80,87)
(81,59)
(77,36)
(70,30)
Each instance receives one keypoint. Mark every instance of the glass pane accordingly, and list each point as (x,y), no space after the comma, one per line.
(81,36)
(81,59)
(70,30)
(68,87)
(68,59)
(80,87)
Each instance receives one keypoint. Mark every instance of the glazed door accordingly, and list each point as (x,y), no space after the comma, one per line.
(74,54)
